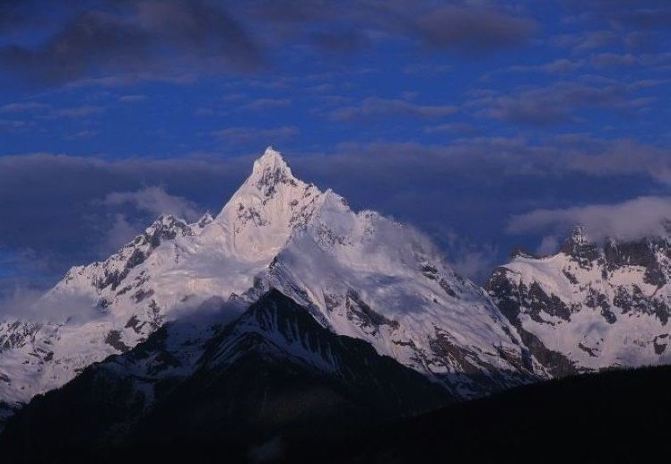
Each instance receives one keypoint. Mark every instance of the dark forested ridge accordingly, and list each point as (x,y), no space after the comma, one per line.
(615,416)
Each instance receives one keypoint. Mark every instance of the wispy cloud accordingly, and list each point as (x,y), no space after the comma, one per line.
(250,134)
(559,102)
(77,111)
(262,104)
(457,128)
(48,111)
(381,107)
(24,107)
(132,98)
(629,220)
(156,201)
(605,60)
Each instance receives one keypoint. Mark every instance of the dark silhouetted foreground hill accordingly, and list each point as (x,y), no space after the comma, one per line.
(617,416)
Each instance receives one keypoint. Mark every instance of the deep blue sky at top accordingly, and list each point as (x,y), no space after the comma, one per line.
(486,124)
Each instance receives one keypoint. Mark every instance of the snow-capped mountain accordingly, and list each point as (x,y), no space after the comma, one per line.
(591,306)
(358,274)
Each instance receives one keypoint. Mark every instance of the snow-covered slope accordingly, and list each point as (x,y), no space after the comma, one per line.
(360,275)
(371,278)
(591,306)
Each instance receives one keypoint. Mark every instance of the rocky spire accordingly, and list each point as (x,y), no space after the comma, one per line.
(579,246)
(270,170)
(271,160)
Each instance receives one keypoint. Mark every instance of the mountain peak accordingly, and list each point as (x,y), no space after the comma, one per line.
(577,238)
(578,245)
(358,274)
(579,235)
(263,212)
(269,171)
(271,160)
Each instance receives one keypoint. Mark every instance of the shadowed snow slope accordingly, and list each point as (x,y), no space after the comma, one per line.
(273,371)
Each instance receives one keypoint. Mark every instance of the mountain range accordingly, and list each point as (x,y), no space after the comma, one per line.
(288,311)
(590,306)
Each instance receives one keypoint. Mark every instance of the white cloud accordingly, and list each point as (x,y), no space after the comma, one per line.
(156,201)
(19,302)
(473,260)
(630,220)
(120,233)
(549,245)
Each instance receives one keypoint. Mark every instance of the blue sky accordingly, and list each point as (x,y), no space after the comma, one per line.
(488,125)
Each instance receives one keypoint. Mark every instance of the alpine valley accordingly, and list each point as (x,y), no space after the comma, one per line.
(288,313)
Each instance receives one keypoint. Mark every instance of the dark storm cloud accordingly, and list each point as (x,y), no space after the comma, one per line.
(469,29)
(87,43)
(14,14)
(341,41)
(118,38)
(644,14)
(131,37)
(201,27)
(7,14)
(454,25)
(292,11)
(559,102)
(622,157)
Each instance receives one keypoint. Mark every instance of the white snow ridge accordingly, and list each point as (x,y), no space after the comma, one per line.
(359,274)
